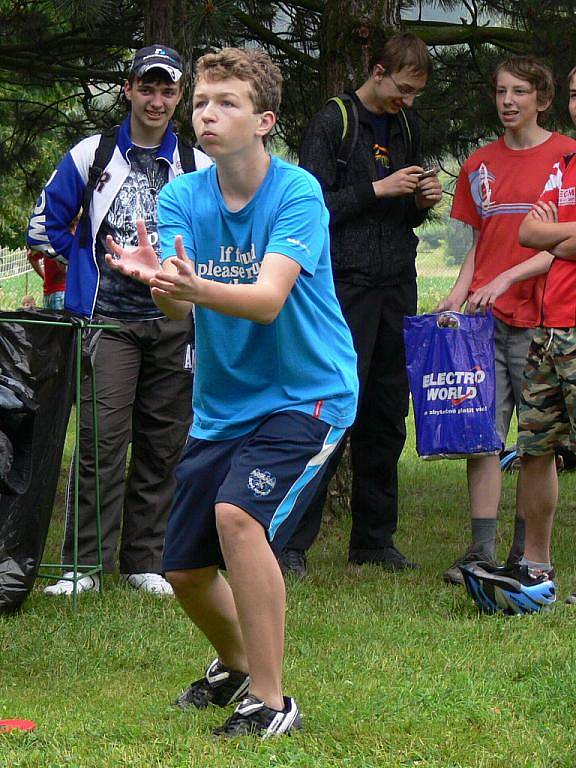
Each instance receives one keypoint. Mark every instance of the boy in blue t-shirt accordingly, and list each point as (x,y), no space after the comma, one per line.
(246,243)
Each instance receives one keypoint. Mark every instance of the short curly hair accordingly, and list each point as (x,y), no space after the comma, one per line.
(249,64)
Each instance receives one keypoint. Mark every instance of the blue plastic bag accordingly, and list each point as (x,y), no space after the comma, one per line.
(451,371)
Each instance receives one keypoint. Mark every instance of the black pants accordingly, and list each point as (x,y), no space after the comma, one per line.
(377,437)
(144,394)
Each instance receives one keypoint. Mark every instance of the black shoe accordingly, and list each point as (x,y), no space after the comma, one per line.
(292,562)
(388,558)
(252,716)
(453,575)
(514,557)
(220,686)
(571,599)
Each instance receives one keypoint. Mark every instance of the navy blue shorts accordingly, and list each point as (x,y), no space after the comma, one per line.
(271,473)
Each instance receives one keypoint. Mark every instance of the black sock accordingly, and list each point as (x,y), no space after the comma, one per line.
(484,535)
(517,547)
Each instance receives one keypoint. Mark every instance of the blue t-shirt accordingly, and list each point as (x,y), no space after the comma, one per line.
(304,360)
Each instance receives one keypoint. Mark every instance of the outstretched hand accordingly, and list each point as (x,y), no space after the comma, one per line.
(139,263)
(182,284)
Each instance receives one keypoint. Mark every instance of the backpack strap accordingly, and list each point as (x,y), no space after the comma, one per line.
(102,157)
(408,129)
(350,121)
(186,152)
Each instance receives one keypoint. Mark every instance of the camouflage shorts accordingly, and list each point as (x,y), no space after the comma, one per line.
(547,412)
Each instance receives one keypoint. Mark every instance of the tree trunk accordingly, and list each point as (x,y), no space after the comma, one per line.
(166,22)
(349,31)
(159,22)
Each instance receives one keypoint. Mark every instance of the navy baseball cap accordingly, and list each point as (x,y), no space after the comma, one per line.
(157,57)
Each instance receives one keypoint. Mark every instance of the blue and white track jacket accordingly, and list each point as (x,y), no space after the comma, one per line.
(61,199)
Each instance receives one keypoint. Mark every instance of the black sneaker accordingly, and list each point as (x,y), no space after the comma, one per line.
(292,562)
(453,575)
(571,599)
(389,558)
(220,686)
(252,716)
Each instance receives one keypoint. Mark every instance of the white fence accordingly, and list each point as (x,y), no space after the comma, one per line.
(13,263)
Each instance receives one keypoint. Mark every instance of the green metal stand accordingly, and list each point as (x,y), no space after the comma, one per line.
(79,570)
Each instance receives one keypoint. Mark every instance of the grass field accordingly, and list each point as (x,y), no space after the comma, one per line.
(13,290)
(435,279)
(389,670)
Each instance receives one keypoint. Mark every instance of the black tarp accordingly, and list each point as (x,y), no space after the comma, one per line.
(36,393)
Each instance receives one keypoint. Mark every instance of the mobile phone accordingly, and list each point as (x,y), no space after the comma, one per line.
(426,174)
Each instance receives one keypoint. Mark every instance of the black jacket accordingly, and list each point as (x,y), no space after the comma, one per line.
(372,239)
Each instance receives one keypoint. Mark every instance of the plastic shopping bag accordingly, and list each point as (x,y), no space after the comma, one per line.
(451,371)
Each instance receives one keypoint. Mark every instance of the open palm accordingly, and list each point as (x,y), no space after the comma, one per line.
(140,263)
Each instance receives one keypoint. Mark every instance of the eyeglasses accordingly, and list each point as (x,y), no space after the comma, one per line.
(404,90)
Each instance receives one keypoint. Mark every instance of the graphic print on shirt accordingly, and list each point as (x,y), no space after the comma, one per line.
(566,195)
(232,266)
(482,188)
(135,200)
(381,157)
(555,179)
(118,295)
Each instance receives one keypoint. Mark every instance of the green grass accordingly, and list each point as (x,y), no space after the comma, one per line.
(435,278)
(431,289)
(13,290)
(389,670)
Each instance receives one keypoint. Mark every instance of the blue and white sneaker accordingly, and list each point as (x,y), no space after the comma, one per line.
(253,717)
(512,590)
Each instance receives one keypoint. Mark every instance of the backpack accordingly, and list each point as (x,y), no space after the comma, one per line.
(102,157)
(349,130)
(350,122)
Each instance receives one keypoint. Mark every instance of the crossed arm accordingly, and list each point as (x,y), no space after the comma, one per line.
(176,287)
(541,229)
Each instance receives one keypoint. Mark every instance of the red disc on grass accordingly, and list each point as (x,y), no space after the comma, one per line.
(17,725)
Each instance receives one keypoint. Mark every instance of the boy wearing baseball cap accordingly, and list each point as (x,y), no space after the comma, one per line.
(143,365)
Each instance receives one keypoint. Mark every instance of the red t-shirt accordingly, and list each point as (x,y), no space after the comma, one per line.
(497,187)
(54,274)
(559,304)
(54,277)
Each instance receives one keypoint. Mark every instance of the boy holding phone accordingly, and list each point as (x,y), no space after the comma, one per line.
(375,203)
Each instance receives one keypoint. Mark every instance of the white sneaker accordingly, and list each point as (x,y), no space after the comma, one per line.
(64,587)
(148,582)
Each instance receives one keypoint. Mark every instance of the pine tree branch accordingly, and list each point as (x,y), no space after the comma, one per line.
(267,36)
(316,6)
(445,33)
